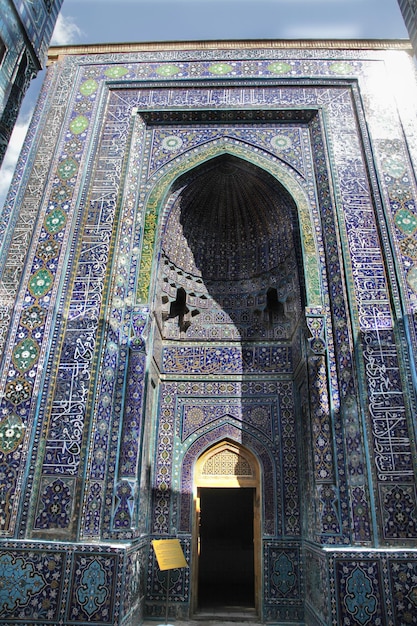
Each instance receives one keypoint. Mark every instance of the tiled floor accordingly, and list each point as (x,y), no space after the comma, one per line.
(203,622)
(219,617)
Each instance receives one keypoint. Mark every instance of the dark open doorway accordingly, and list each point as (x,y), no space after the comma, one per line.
(226,564)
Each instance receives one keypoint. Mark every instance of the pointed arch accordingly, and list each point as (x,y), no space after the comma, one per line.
(228,464)
(162,181)
(269,472)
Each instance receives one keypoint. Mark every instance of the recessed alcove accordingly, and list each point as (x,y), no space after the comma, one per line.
(229,289)
(231,243)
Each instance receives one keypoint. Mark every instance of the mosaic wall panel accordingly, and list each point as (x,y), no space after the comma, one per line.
(402,578)
(93,591)
(227,360)
(376,588)
(283,575)
(346,413)
(195,415)
(179,587)
(127,489)
(135,585)
(31,585)
(317,592)
(53,583)
(360,591)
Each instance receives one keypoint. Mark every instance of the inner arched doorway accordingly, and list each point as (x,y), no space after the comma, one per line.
(227,530)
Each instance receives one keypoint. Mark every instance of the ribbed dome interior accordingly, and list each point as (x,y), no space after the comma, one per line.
(230,220)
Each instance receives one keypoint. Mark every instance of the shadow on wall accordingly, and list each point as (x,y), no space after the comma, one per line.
(231,255)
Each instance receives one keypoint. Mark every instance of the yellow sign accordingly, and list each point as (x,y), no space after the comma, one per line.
(169,553)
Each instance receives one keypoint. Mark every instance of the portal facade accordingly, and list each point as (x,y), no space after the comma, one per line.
(210,260)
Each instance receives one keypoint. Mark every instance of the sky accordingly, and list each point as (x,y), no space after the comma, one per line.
(103,21)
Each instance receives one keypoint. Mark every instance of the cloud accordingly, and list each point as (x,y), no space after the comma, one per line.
(66,31)
(12,154)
